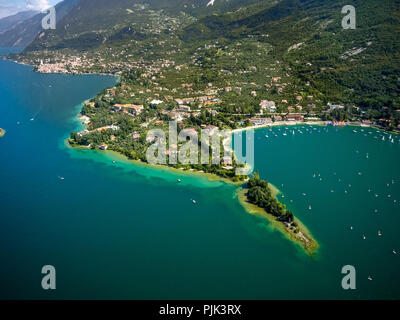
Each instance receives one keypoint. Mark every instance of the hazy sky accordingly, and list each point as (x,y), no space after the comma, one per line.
(8,7)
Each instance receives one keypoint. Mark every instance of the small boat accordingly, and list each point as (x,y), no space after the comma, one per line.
(179,180)
(394,251)
(266,136)
(364,237)
(113,161)
(369,278)
(194,201)
(351,228)
(61,178)
(32,119)
(380,233)
(309,207)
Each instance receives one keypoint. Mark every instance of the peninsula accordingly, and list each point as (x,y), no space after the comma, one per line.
(227,66)
(259,198)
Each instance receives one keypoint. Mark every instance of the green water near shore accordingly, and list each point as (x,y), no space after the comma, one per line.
(118,230)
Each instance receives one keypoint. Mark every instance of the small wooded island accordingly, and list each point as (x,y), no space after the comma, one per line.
(259,198)
(2,132)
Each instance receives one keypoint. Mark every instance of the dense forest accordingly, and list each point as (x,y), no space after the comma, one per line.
(259,193)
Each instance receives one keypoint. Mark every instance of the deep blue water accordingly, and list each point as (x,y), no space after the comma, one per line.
(125,231)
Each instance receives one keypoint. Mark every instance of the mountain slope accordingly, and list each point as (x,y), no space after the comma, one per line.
(25,32)
(93,22)
(228,42)
(361,66)
(11,22)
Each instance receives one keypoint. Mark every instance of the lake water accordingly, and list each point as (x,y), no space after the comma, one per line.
(125,231)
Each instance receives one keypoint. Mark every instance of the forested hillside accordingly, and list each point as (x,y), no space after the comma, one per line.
(300,42)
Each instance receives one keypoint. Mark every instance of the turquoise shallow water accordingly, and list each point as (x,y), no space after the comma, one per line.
(126,231)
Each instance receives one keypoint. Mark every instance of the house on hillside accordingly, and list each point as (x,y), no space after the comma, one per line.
(295,117)
(269,106)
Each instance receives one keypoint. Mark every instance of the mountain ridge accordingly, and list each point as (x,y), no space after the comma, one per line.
(25,32)
(12,21)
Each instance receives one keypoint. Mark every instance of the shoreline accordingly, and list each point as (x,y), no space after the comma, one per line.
(304,239)
(34,69)
(121,157)
(240,193)
(2,133)
(281,124)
